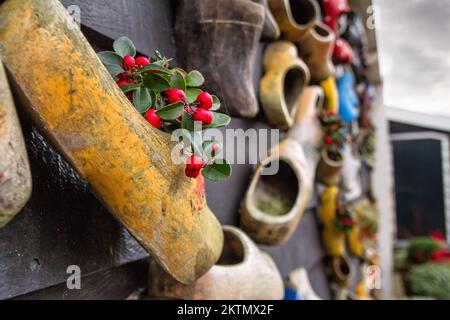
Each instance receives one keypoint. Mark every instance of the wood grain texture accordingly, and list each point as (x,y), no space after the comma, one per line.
(128,163)
(15,176)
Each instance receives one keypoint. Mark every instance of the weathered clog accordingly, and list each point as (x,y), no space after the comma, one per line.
(242,273)
(299,287)
(271,30)
(331,94)
(15,175)
(74,101)
(343,270)
(274,204)
(220,38)
(328,170)
(285,78)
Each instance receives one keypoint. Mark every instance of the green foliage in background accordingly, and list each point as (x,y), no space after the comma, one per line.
(430,280)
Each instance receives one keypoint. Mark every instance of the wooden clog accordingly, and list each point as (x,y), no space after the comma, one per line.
(271,30)
(343,270)
(15,175)
(298,281)
(274,204)
(220,38)
(285,78)
(328,170)
(242,273)
(74,101)
(331,94)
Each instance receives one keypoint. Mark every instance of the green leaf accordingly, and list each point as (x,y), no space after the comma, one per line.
(154,99)
(192,94)
(110,58)
(177,81)
(142,99)
(216,103)
(195,79)
(124,47)
(129,87)
(159,56)
(114,70)
(220,120)
(220,170)
(155,68)
(155,82)
(187,122)
(208,149)
(171,111)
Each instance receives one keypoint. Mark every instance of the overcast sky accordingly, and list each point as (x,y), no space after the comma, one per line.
(414,45)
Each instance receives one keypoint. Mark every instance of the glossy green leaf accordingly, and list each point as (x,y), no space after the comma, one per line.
(114,70)
(129,87)
(171,111)
(195,79)
(177,81)
(110,58)
(142,99)
(192,94)
(220,170)
(220,120)
(155,82)
(216,103)
(154,67)
(124,47)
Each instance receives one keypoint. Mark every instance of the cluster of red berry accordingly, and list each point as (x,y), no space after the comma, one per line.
(344,221)
(131,65)
(332,127)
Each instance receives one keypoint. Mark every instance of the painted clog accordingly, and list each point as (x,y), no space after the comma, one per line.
(283,83)
(334,241)
(242,273)
(74,101)
(15,175)
(295,17)
(316,49)
(351,170)
(299,287)
(274,204)
(328,206)
(332,11)
(328,170)
(220,39)
(343,271)
(271,30)
(331,102)
(348,100)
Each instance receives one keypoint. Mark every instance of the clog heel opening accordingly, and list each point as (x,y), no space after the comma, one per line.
(294,82)
(303,11)
(276,195)
(343,268)
(233,250)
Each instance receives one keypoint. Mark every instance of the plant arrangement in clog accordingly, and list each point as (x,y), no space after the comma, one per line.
(330,165)
(171,99)
(345,220)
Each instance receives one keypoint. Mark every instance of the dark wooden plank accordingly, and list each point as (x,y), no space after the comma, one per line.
(111,284)
(147,22)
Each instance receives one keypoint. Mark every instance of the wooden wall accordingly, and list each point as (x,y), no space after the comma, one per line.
(64,224)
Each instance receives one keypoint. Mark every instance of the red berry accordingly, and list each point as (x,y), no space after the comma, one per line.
(193,166)
(142,61)
(204,101)
(175,95)
(153,119)
(206,117)
(123,76)
(328,140)
(129,62)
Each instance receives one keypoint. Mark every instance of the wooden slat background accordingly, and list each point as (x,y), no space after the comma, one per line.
(64,224)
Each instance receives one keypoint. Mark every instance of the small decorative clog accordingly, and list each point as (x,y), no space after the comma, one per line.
(295,17)
(15,175)
(316,49)
(283,83)
(343,270)
(331,94)
(271,30)
(328,206)
(348,99)
(351,169)
(332,12)
(328,170)
(220,39)
(274,204)
(299,287)
(242,273)
(334,241)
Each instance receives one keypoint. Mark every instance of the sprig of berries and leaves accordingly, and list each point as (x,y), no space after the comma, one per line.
(345,220)
(170,99)
(333,133)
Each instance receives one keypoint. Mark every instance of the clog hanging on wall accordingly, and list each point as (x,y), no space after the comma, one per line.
(343,270)
(283,83)
(274,204)
(351,169)
(271,30)
(75,102)
(331,94)
(348,100)
(220,39)
(15,175)
(299,287)
(295,17)
(242,273)
(332,12)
